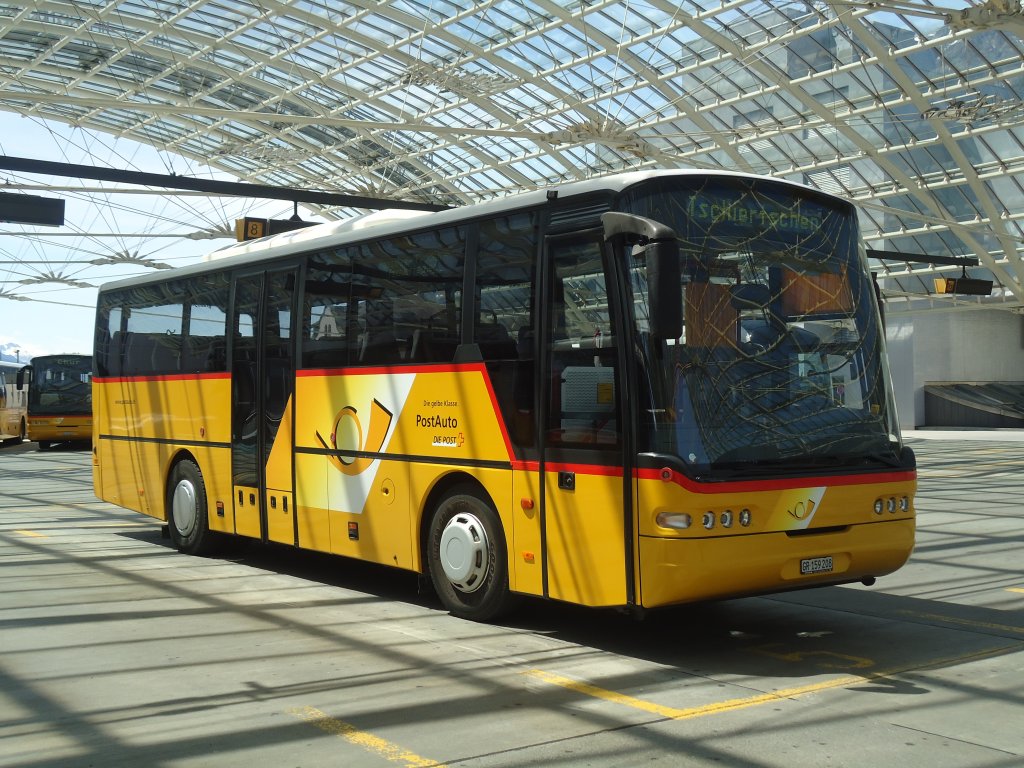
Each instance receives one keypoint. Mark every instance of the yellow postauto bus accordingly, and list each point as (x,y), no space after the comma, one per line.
(13,405)
(59,398)
(636,391)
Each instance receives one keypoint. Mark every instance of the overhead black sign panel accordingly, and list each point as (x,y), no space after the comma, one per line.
(251,228)
(30,209)
(967,286)
(212,186)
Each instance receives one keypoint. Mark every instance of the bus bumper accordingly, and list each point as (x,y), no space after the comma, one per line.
(675,570)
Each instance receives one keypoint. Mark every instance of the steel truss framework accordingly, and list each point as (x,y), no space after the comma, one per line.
(912,109)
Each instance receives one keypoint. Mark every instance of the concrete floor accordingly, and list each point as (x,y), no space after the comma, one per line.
(115,650)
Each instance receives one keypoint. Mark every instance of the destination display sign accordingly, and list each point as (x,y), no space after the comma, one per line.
(748,211)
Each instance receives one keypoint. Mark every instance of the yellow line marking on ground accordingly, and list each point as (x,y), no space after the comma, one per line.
(35,534)
(602,693)
(367,741)
(965,622)
(730,705)
(1015,589)
(673,713)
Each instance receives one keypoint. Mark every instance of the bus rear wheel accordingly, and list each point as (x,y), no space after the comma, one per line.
(187,517)
(467,557)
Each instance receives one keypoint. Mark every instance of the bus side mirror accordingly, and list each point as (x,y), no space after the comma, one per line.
(658,246)
(664,289)
(23,374)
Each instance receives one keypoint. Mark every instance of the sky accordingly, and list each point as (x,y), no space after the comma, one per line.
(52,317)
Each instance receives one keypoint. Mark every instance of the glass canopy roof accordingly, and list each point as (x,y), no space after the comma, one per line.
(912,109)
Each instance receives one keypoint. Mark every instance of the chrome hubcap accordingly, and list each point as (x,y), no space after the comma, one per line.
(463,552)
(184,508)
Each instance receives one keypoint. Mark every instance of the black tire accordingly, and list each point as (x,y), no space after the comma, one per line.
(45,445)
(15,440)
(471,576)
(187,510)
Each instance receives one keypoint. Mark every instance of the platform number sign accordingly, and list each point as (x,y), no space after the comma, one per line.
(250,228)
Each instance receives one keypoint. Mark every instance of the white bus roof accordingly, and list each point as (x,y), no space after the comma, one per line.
(388,222)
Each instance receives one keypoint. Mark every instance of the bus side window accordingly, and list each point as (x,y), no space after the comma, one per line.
(154,326)
(108,335)
(408,289)
(329,334)
(109,360)
(380,344)
(203,348)
(505,279)
(584,407)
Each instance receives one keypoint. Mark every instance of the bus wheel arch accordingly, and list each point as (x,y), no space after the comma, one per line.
(464,551)
(187,507)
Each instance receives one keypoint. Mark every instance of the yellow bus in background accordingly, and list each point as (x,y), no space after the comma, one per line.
(635,391)
(13,405)
(59,399)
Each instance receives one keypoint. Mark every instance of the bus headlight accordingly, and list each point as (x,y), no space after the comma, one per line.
(904,504)
(708,520)
(879,506)
(678,521)
(727,519)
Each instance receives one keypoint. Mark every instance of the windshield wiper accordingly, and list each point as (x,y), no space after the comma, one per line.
(774,466)
(889,459)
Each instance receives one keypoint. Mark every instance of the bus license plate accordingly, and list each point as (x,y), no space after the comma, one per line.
(816,565)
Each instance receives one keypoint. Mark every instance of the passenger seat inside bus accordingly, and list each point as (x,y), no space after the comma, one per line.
(380,347)
(495,342)
(331,352)
(433,345)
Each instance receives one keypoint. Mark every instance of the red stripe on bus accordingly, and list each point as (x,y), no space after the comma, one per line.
(736,486)
(498,415)
(585,469)
(379,369)
(671,476)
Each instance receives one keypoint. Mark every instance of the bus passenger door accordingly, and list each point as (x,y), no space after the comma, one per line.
(586,510)
(262,381)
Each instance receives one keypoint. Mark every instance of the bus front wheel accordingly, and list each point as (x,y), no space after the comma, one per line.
(187,510)
(466,556)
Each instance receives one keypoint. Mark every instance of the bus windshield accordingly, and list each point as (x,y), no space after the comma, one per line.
(781,362)
(61,384)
